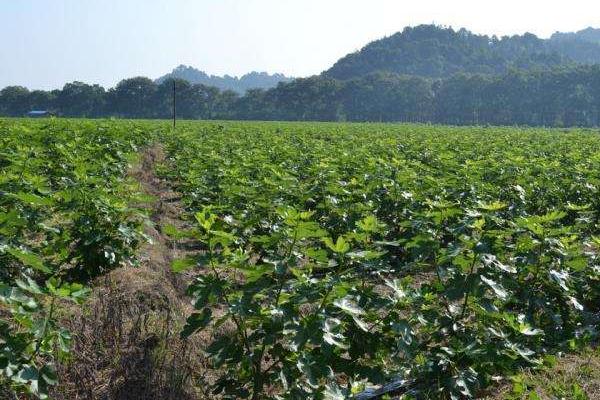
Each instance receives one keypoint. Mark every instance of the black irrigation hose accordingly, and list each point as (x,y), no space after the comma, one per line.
(396,387)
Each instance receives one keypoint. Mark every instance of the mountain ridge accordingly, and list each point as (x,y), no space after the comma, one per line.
(240,85)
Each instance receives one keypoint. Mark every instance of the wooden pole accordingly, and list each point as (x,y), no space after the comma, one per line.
(174,106)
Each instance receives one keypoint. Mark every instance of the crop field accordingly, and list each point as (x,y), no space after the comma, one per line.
(322,260)
(64,219)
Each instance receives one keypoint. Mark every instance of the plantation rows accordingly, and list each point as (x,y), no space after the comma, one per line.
(345,256)
(65,218)
(335,258)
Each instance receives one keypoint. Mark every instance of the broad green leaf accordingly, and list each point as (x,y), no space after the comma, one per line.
(197,322)
(33,199)
(348,305)
(496,287)
(493,206)
(340,246)
(29,259)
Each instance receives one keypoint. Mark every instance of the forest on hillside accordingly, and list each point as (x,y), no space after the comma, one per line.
(437,52)
(426,74)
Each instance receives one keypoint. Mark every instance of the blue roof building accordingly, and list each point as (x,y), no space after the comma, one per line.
(39,114)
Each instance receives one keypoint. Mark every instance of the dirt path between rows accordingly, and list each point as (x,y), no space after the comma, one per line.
(126,341)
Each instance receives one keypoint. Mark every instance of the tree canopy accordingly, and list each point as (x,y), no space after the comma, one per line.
(433,51)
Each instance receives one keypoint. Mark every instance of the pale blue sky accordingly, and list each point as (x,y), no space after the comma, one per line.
(45,43)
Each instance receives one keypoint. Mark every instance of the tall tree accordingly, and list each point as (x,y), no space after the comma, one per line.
(78,99)
(134,98)
(14,101)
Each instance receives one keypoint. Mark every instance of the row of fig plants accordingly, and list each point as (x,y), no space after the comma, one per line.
(431,261)
(65,218)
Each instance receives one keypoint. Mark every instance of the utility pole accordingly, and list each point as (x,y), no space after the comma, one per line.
(174,106)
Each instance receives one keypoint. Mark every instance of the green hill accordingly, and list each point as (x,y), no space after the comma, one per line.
(433,51)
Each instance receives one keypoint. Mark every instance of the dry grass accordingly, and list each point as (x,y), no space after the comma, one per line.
(126,341)
(573,377)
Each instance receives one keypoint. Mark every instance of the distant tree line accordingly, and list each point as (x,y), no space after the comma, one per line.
(138,97)
(566,96)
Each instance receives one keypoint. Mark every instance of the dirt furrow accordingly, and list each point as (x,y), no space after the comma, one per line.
(126,341)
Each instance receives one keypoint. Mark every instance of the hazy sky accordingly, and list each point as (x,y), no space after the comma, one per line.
(45,43)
